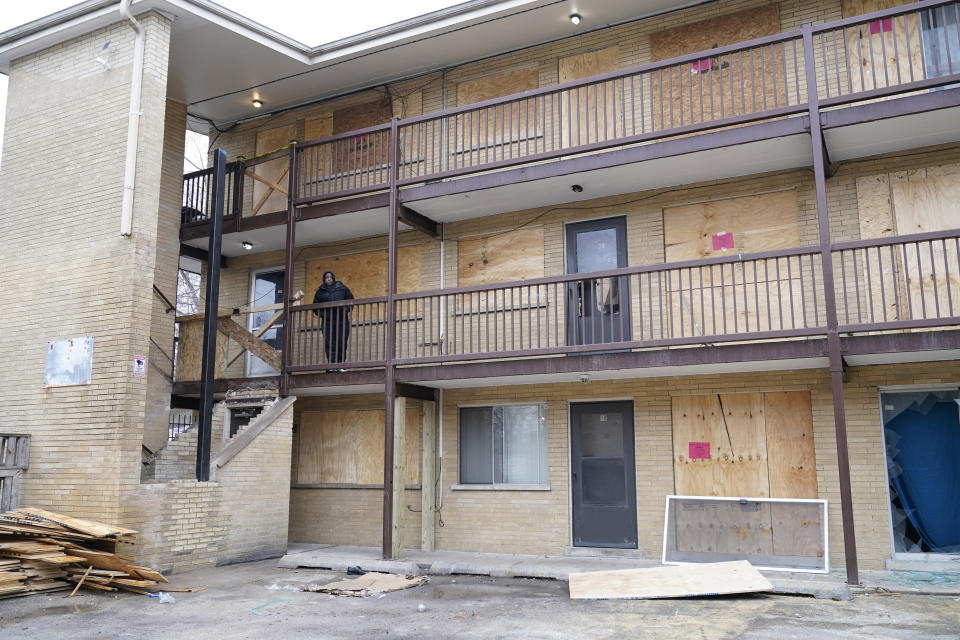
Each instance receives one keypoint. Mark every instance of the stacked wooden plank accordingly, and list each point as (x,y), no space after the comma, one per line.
(44,551)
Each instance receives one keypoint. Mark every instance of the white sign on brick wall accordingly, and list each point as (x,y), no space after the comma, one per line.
(68,362)
(139,366)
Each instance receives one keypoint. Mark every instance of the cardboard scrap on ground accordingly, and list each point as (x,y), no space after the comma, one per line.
(712,579)
(368,584)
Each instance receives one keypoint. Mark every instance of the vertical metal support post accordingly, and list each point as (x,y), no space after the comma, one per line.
(830,304)
(389,355)
(288,271)
(210,310)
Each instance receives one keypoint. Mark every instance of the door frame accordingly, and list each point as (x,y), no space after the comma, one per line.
(626,310)
(569,463)
(904,555)
(247,358)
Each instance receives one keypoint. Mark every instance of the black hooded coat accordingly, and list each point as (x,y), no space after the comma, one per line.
(335,321)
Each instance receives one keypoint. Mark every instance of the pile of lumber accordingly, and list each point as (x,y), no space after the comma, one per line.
(45,551)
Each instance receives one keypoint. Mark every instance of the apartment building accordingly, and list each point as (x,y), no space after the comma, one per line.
(662,278)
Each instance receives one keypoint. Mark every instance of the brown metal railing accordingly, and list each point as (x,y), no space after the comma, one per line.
(894,51)
(317,329)
(197,200)
(353,162)
(898,283)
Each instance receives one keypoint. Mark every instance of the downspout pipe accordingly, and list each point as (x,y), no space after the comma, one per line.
(133,122)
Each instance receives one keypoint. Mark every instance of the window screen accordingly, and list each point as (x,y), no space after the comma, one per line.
(503,445)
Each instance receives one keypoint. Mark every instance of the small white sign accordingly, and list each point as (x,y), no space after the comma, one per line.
(139,366)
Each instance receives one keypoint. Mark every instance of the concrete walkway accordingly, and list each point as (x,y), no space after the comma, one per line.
(832,585)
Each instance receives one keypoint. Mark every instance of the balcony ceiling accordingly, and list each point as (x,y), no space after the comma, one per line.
(219,59)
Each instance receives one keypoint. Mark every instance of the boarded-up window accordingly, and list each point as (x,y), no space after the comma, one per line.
(736,297)
(499,125)
(591,113)
(190,352)
(907,284)
(882,53)
(504,257)
(749,445)
(366,273)
(362,151)
(270,178)
(717,86)
(755,445)
(346,447)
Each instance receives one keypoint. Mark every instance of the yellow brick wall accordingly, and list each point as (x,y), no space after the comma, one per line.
(67,271)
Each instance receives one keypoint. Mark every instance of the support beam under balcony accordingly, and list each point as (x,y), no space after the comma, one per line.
(428,476)
(200,254)
(419,221)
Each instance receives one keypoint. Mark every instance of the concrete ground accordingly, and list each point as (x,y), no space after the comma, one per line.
(259,600)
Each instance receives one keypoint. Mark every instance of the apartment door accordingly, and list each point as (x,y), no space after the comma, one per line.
(603,475)
(266,288)
(598,309)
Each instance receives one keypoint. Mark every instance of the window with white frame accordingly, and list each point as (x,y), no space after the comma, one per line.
(503,445)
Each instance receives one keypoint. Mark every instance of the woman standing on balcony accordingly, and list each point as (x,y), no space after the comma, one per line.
(335,321)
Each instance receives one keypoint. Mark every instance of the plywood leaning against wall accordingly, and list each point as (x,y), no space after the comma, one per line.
(591,113)
(346,447)
(190,351)
(883,53)
(717,86)
(734,298)
(476,131)
(270,190)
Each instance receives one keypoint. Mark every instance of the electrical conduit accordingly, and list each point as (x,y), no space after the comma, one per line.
(133,123)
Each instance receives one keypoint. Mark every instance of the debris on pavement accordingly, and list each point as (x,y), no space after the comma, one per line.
(369,584)
(42,551)
(685,581)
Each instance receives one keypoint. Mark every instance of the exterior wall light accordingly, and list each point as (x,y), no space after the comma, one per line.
(575,18)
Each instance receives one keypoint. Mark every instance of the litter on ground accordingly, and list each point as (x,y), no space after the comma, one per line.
(369,584)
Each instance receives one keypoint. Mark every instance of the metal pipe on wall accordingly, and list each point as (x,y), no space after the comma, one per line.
(133,122)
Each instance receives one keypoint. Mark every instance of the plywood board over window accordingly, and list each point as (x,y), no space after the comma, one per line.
(717,86)
(736,297)
(592,113)
(501,257)
(346,447)
(883,53)
(270,191)
(506,126)
(747,445)
(366,273)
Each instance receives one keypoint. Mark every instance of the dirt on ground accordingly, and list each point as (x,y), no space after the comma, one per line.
(257,600)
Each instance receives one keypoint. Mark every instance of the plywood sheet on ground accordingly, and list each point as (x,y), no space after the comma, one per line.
(791,458)
(190,351)
(709,579)
(368,584)
(721,86)
(366,273)
(591,113)
(266,198)
(882,53)
(932,269)
(346,447)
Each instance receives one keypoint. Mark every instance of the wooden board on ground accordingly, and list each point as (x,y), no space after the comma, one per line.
(346,447)
(268,198)
(88,527)
(712,579)
(368,584)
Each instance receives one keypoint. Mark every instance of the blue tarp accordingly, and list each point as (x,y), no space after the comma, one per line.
(925,471)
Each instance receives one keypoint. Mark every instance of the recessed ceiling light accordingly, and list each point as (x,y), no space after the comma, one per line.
(247,246)
(257,103)
(575,18)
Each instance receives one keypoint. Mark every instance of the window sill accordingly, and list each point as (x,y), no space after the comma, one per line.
(500,487)
(338,485)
